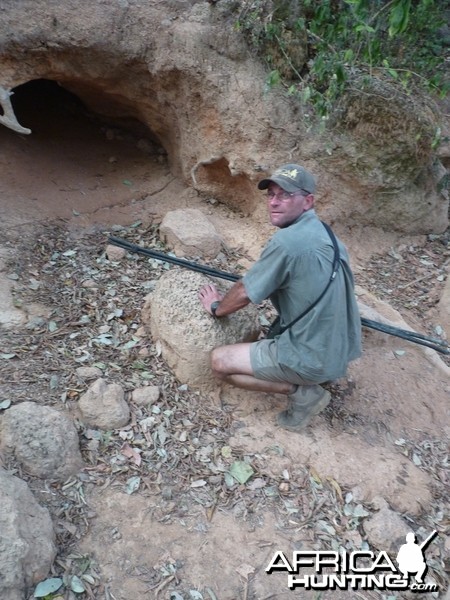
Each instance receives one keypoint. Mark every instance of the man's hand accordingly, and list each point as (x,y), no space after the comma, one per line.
(209,294)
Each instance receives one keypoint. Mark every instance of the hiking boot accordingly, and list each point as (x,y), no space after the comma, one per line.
(304,403)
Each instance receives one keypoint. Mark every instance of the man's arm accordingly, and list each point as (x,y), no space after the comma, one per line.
(235,299)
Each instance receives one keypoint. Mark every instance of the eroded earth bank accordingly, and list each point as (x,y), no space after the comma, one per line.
(121,478)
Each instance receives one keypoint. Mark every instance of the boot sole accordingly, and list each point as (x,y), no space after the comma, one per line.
(323,403)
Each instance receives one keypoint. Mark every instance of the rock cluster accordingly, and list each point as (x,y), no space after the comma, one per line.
(45,443)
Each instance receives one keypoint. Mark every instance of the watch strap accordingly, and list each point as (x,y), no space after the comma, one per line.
(214,306)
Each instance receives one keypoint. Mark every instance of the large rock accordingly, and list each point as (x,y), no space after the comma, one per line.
(27,540)
(186,331)
(43,440)
(189,233)
(104,406)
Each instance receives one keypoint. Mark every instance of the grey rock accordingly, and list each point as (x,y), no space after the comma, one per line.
(27,539)
(145,395)
(42,439)
(88,372)
(190,233)
(114,253)
(104,406)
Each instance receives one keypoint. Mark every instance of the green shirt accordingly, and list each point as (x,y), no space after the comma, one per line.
(293,270)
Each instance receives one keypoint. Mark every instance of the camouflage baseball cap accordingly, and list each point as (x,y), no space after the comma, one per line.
(291,178)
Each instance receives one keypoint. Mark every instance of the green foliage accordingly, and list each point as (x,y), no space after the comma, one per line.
(397,39)
(399,17)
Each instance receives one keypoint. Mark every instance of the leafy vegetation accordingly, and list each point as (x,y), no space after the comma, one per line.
(318,48)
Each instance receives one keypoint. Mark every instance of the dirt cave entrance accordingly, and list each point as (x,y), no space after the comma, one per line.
(75,161)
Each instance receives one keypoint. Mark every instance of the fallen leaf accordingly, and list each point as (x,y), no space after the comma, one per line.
(241,471)
(226,452)
(315,475)
(52,326)
(245,570)
(76,585)
(133,484)
(47,587)
(132,453)
(360,511)
(337,487)
(324,526)
(198,483)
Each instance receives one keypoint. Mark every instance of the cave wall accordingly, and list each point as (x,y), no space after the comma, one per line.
(181,69)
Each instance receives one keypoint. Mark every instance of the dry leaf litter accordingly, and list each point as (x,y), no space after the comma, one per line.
(176,448)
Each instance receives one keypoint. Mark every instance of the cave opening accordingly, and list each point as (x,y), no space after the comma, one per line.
(46,107)
(75,160)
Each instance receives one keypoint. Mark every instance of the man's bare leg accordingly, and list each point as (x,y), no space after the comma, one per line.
(232,365)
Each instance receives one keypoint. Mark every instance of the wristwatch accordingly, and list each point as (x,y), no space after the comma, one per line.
(214,306)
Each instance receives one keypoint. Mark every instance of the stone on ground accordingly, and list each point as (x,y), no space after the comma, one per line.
(43,440)
(114,253)
(189,233)
(27,539)
(385,529)
(88,372)
(104,406)
(186,332)
(145,395)
(10,316)
(444,308)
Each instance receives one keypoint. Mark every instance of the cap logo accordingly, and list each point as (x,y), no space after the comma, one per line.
(290,173)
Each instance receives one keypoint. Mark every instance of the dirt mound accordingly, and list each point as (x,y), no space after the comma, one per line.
(181,77)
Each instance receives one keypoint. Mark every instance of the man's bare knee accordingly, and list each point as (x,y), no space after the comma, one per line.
(217,363)
(231,360)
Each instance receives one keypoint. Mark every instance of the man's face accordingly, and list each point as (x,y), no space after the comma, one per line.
(285,208)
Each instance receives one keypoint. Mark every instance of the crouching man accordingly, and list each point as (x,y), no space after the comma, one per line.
(305,272)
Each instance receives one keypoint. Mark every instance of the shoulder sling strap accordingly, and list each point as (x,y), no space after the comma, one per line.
(336,263)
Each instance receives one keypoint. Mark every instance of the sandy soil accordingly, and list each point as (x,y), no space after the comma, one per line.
(378,438)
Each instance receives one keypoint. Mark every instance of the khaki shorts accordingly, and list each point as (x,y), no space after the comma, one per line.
(263,358)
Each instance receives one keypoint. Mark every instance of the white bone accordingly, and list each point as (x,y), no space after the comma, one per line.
(9,118)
